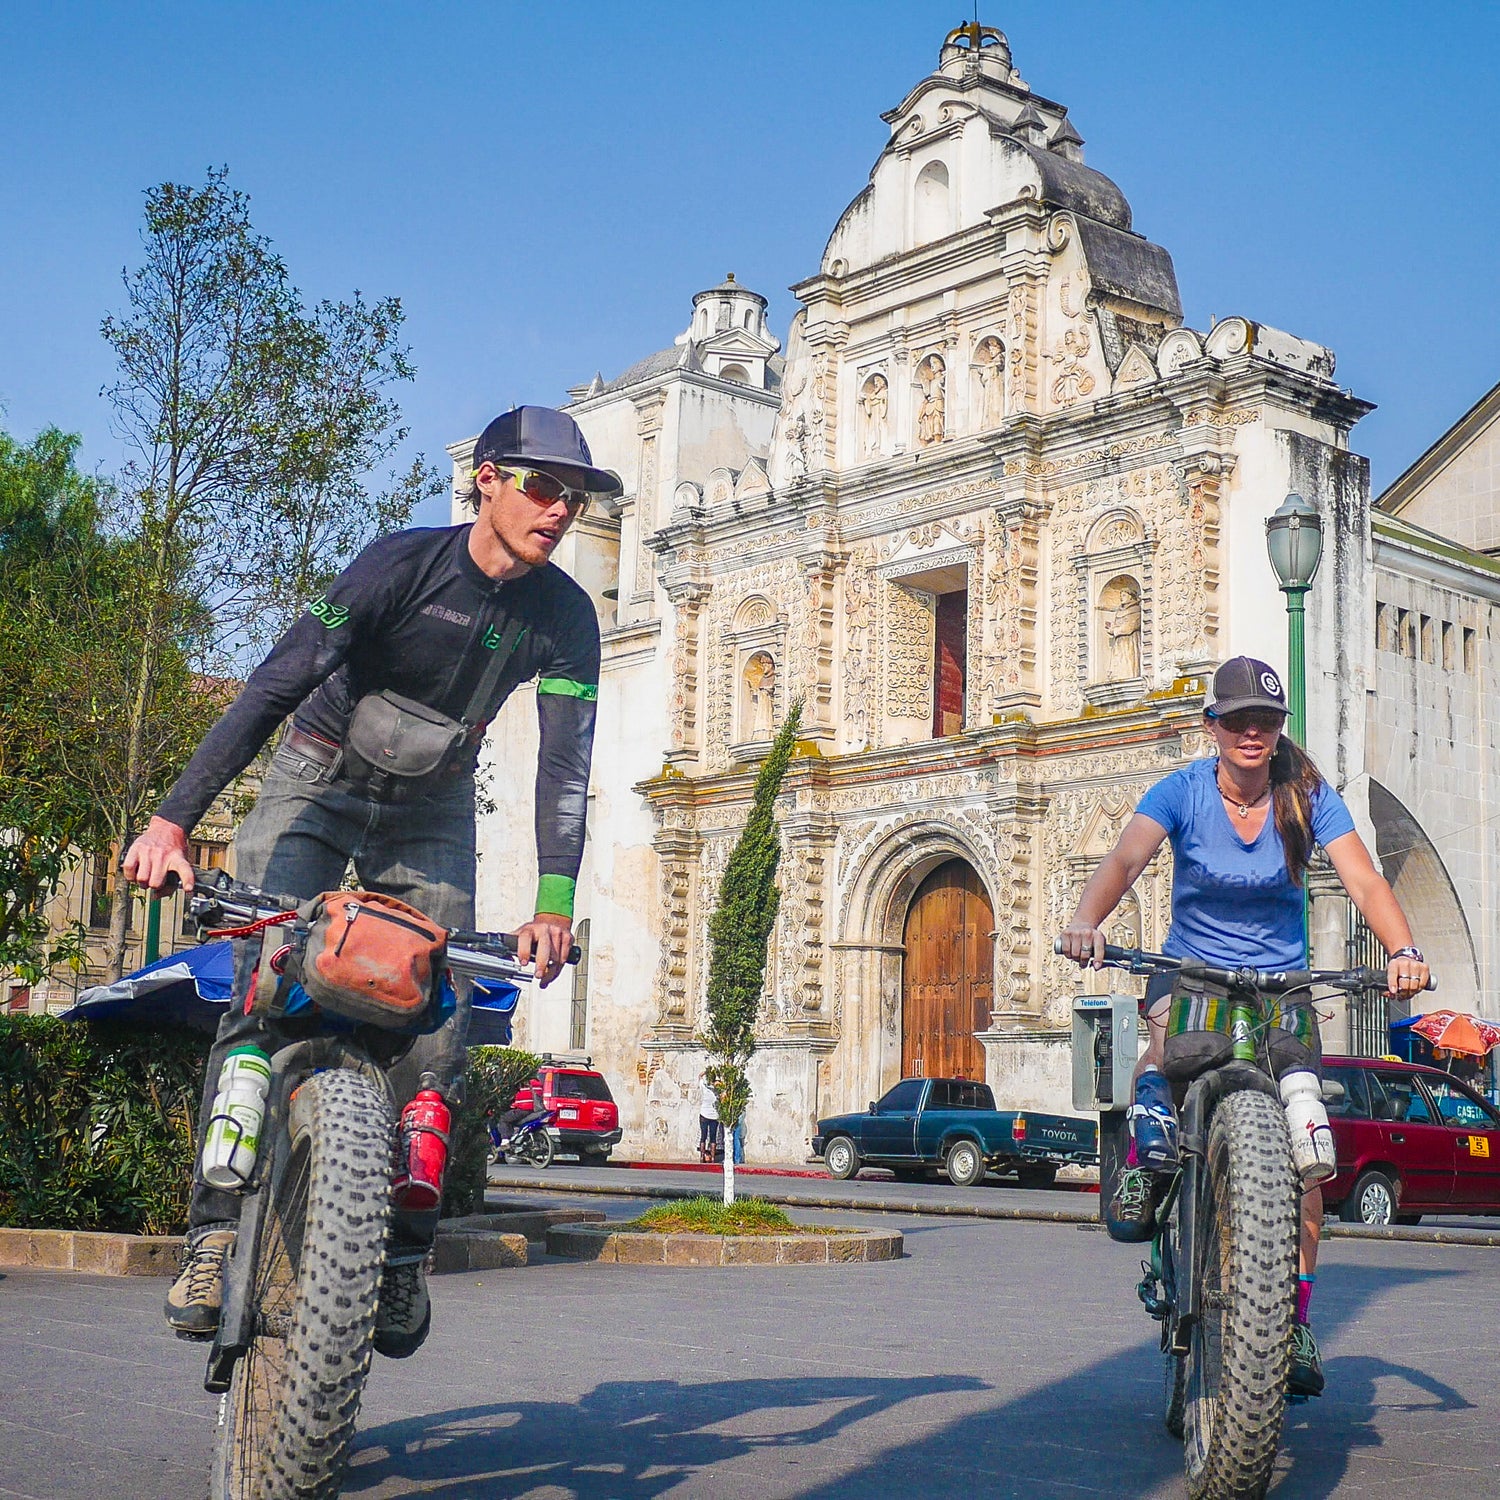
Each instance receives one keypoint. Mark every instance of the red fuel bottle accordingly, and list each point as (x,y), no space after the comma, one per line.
(418,1183)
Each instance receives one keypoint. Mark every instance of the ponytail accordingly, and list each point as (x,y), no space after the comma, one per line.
(1294,780)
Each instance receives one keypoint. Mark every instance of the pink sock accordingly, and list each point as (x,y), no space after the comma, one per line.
(1131,1159)
(1304,1296)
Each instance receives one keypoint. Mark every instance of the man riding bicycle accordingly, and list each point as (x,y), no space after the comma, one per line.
(1243,825)
(429,630)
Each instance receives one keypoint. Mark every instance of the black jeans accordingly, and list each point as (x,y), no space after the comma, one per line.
(299,839)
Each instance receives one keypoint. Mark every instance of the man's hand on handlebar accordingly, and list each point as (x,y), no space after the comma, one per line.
(1082,943)
(160,858)
(548,938)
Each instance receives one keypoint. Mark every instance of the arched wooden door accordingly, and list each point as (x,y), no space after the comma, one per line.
(948,978)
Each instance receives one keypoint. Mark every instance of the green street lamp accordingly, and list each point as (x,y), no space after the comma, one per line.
(1294,540)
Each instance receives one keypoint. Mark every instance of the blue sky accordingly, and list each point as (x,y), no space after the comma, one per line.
(545,187)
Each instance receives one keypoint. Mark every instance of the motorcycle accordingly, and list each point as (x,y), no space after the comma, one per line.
(530,1140)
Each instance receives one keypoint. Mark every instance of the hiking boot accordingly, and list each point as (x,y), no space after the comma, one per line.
(197,1294)
(1305,1378)
(1131,1215)
(405,1314)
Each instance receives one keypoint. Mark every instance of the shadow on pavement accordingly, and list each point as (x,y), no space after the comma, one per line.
(1094,1432)
(625,1439)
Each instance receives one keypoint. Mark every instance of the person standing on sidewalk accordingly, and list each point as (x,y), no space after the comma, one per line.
(709,1130)
(436,620)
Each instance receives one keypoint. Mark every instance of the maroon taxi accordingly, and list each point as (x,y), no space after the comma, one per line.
(1411,1141)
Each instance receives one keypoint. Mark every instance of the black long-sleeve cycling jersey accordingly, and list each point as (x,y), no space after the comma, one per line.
(413,613)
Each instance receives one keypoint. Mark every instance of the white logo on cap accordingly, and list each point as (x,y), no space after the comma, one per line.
(1269,683)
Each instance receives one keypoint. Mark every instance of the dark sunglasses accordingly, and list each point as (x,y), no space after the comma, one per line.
(1264,719)
(543,488)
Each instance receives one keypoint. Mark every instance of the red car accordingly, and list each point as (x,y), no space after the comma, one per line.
(588,1119)
(1411,1141)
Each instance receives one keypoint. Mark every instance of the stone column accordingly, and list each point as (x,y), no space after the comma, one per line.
(685,708)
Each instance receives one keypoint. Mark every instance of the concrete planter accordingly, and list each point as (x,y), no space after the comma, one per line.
(641,1248)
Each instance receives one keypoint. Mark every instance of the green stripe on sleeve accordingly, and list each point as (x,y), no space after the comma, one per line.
(565,687)
(554,894)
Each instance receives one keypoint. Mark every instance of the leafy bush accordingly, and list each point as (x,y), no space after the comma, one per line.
(494,1074)
(97,1119)
(96,1125)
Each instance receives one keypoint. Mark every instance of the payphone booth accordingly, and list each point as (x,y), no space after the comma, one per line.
(1106,1044)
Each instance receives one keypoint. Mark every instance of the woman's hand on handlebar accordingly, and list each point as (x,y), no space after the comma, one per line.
(160,858)
(1082,943)
(548,938)
(1404,977)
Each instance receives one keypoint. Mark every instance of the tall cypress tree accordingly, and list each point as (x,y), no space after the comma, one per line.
(738,935)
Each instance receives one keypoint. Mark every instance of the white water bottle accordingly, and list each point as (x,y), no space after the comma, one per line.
(1312,1136)
(232,1139)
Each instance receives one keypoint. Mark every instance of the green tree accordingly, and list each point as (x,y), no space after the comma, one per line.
(738,934)
(253,421)
(49,516)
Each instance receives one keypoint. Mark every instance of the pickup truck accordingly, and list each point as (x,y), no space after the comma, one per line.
(952,1123)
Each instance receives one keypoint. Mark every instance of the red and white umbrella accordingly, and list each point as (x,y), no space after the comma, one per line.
(1454,1031)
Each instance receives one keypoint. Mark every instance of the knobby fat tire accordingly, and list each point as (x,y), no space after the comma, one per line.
(1241,1349)
(289,1414)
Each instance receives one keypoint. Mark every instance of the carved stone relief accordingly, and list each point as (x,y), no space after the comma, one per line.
(909,618)
(1118,655)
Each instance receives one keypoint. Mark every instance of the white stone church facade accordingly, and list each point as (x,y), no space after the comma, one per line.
(993,518)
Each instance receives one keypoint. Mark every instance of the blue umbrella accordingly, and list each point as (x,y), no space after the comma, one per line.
(184,989)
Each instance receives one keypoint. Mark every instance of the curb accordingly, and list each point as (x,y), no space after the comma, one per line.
(1084,1216)
(638,1248)
(478,1242)
(95,1253)
(862,1205)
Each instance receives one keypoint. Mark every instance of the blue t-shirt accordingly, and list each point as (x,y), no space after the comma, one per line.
(1233,903)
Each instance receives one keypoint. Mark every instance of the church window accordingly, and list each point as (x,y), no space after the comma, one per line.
(1428,652)
(931,219)
(950,663)
(735,372)
(1471,650)
(1385,627)
(1447,645)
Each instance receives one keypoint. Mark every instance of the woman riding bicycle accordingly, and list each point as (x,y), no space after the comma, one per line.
(1243,824)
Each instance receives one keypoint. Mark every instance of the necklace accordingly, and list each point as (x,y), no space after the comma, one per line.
(1242,808)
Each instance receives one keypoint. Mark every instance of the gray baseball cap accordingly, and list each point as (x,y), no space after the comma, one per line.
(1244,682)
(540,436)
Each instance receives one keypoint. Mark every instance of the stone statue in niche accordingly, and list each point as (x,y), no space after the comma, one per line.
(758,698)
(874,406)
(1120,618)
(932,424)
(989,384)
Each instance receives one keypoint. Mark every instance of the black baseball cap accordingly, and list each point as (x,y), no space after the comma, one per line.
(1244,682)
(540,436)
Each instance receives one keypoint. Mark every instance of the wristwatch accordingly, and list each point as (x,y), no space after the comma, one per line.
(1410,952)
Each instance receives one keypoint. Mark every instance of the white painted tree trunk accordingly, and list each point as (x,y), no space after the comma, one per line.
(728,1166)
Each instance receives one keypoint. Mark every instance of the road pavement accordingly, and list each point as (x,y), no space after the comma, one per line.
(997,1359)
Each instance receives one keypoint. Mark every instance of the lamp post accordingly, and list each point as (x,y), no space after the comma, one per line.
(1294,540)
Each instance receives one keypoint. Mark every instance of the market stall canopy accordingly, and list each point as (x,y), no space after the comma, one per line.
(1453,1031)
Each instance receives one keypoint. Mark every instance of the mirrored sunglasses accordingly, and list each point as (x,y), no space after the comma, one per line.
(544,489)
(1264,719)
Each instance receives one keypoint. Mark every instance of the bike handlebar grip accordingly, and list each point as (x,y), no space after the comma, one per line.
(1057,945)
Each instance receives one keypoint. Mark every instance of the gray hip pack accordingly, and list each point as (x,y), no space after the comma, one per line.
(395,747)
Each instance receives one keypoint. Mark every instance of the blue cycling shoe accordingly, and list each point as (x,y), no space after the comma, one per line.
(1153,1123)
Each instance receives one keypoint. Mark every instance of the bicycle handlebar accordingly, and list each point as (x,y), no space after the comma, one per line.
(1264,981)
(218,901)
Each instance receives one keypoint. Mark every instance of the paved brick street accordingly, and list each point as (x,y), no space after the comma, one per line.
(996,1359)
